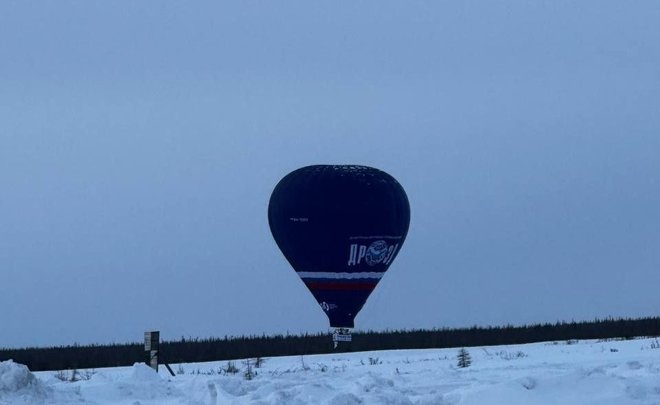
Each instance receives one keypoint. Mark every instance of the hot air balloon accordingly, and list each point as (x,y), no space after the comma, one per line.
(340,227)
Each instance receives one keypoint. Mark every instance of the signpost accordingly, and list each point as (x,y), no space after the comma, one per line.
(151,346)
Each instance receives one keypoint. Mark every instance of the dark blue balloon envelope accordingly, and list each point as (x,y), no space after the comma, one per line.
(340,227)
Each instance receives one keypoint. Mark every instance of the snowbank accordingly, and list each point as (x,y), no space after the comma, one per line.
(18,385)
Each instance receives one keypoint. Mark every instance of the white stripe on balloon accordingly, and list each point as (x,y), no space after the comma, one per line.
(345,276)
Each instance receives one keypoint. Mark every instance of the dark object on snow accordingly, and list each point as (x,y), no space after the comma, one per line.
(463,358)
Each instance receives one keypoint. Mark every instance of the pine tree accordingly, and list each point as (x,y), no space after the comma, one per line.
(463,358)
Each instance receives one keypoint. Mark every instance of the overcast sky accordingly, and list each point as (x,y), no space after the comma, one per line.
(140,142)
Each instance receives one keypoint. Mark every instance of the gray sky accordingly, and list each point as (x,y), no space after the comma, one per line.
(140,142)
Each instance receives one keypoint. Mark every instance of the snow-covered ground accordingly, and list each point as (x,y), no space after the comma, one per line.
(567,373)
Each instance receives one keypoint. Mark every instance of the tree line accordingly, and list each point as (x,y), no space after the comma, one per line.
(230,348)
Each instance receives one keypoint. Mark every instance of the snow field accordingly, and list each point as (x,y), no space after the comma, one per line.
(585,372)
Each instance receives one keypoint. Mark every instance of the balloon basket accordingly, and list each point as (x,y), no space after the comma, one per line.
(341,335)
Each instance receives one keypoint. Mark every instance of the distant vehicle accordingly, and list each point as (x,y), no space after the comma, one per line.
(340,227)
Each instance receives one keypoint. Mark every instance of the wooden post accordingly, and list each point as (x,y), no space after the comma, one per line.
(151,346)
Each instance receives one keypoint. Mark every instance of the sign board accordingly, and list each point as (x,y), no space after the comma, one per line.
(151,343)
(151,340)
